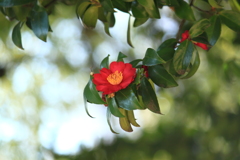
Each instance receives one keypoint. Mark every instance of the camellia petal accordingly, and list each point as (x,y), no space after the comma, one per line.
(118,77)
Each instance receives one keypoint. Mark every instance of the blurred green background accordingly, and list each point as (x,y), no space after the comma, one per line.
(42,116)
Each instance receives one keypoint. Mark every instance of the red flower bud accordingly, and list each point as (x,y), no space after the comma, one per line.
(202,45)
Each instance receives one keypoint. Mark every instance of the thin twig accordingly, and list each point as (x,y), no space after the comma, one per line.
(180,28)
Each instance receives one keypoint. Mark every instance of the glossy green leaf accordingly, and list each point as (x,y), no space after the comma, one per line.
(121,5)
(150,7)
(139,21)
(112,104)
(101,14)
(10,3)
(127,99)
(16,35)
(231,19)
(214,30)
(90,17)
(183,56)
(108,121)
(203,5)
(152,58)
(166,53)
(160,76)
(184,11)
(149,97)
(135,62)
(194,67)
(111,19)
(106,28)
(105,62)
(81,8)
(107,5)
(170,43)
(120,57)
(131,118)
(214,4)
(39,23)
(124,121)
(21,12)
(139,11)
(85,106)
(199,27)
(203,38)
(129,32)
(91,94)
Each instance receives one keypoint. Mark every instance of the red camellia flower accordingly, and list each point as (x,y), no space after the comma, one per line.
(118,77)
(186,36)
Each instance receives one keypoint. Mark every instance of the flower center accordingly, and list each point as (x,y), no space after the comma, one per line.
(115,78)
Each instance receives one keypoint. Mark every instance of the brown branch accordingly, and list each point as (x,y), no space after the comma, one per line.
(180,28)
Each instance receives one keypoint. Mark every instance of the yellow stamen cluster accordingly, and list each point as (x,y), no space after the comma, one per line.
(115,78)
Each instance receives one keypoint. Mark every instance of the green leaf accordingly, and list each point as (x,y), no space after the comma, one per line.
(112,104)
(166,53)
(108,121)
(150,7)
(39,23)
(10,3)
(85,106)
(124,121)
(152,58)
(184,11)
(139,21)
(120,57)
(214,4)
(91,94)
(139,11)
(214,30)
(199,27)
(107,5)
(203,38)
(90,17)
(101,14)
(149,97)
(127,99)
(16,35)
(105,62)
(135,62)
(111,19)
(129,32)
(183,56)
(195,65)
(160,76)
(81,8)
(170,43)
(169,3)
(231,19)
(121,5)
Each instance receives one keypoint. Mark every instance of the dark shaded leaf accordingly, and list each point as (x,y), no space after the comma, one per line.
(127,99)
(107,5)
(160,76)
(112,105)
(120,57)
(170,43)
(139,21)
(16,35)
(121,5)
(139,11)
(149,97)
(214,30)
(152,58)
(183,56)
(166,53)
(231,19)
(39,23)
(10,3)
(91,94)
(135,62)
(184,11)
(150,7)
(105,62)
(194,67)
